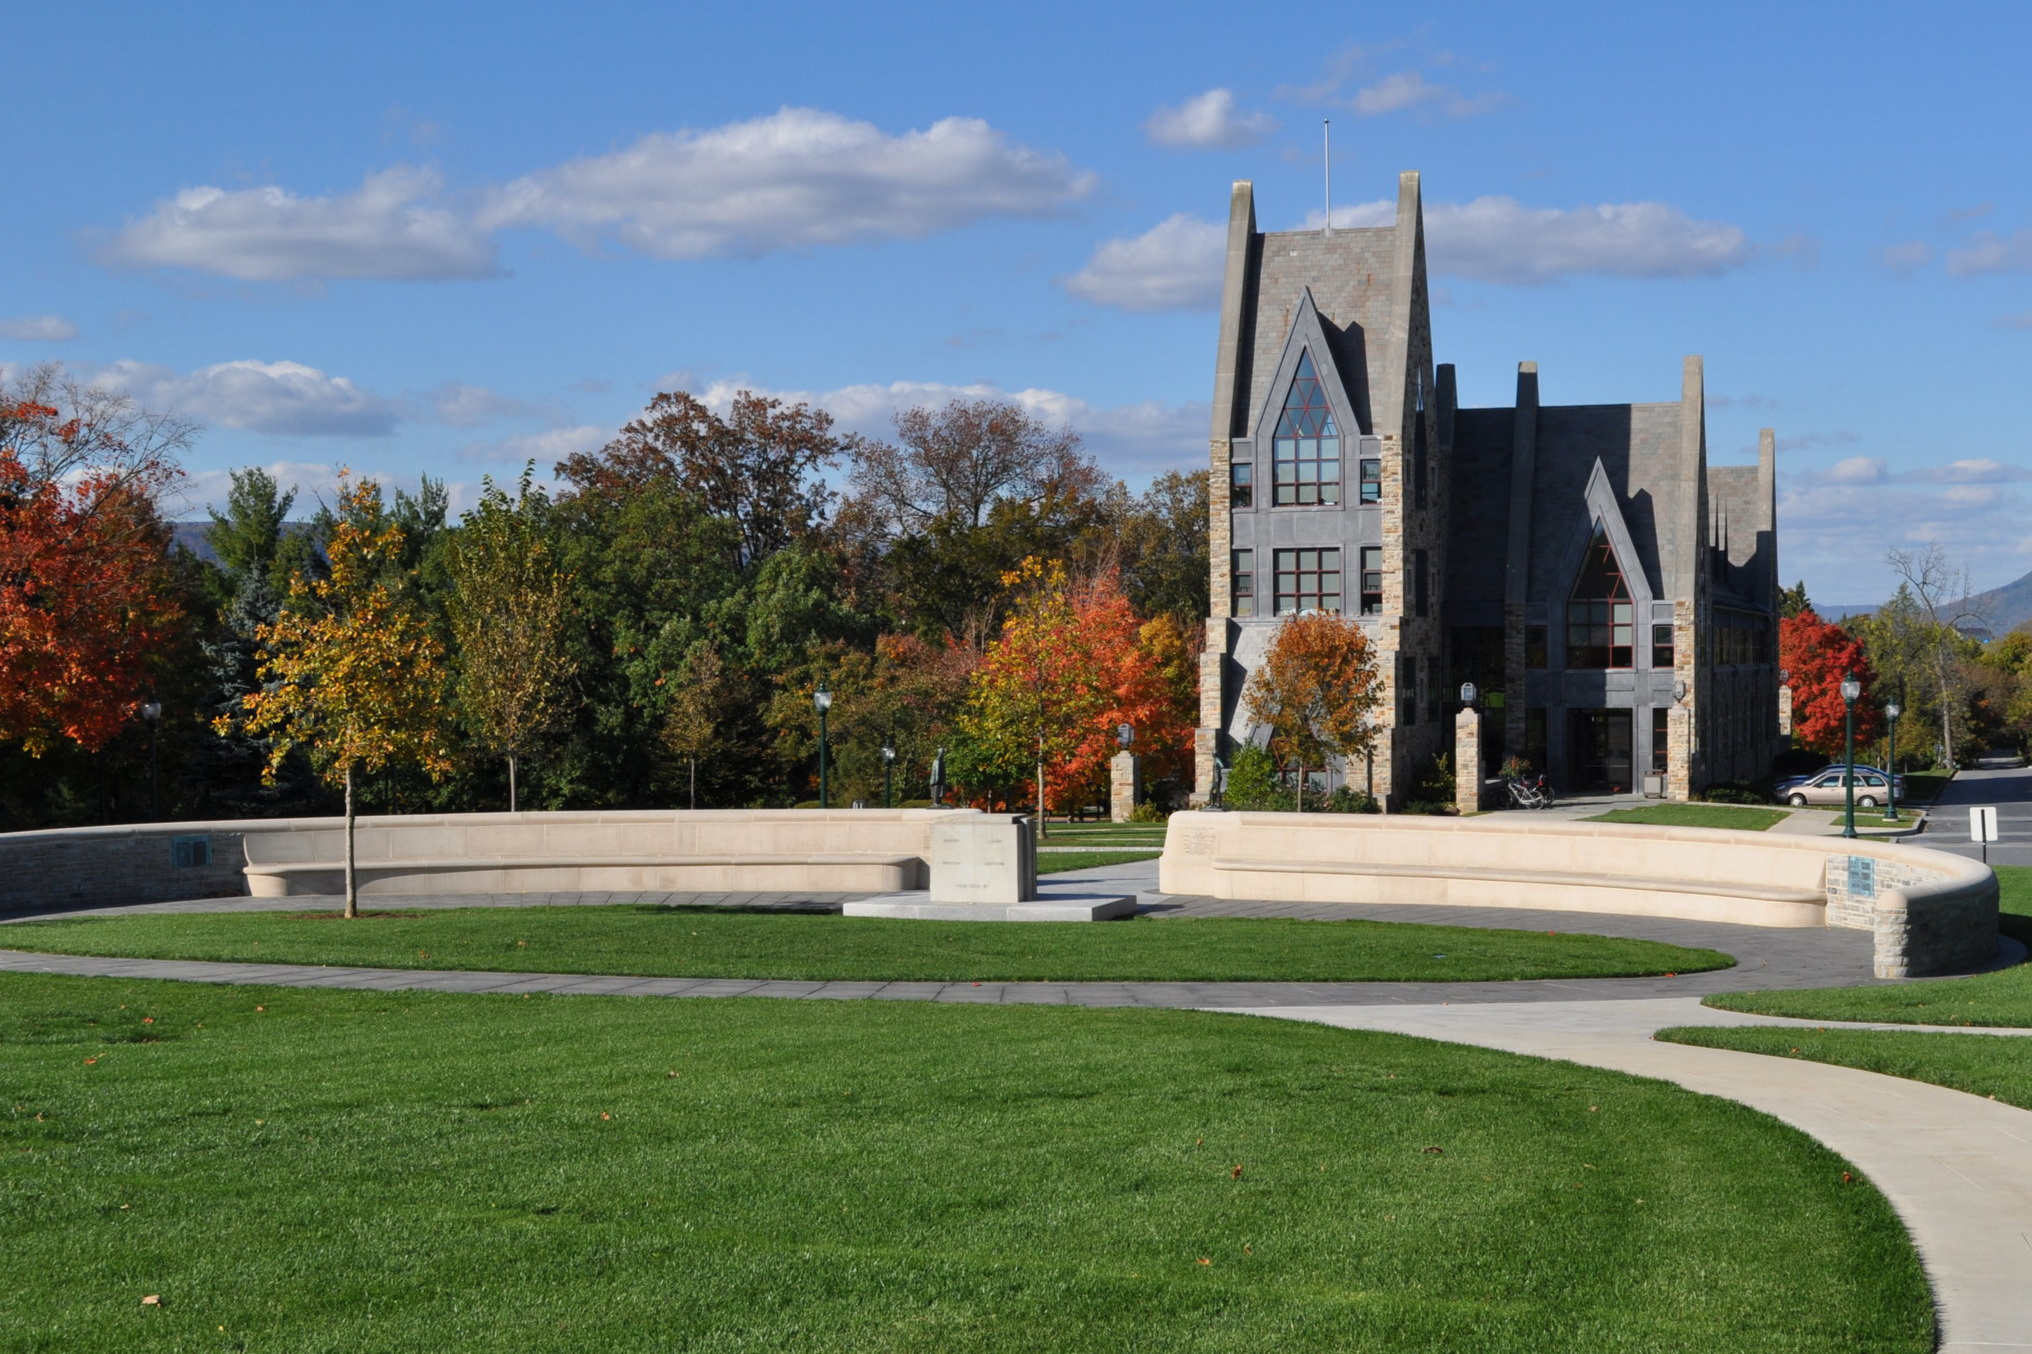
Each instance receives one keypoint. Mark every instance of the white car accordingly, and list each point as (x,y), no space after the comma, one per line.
(1828,788)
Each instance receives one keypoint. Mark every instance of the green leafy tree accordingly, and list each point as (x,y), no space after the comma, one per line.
(510,608)
(698,699)
(1793,600)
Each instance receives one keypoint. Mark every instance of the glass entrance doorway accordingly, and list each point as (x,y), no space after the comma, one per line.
(1598,751)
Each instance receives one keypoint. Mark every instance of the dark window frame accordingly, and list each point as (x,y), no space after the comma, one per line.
(1291,572)
(1306,446)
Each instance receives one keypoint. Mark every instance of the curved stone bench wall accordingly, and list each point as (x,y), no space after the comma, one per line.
(1931,912)
(708,850)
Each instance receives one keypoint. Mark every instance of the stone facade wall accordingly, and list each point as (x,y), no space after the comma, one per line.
(102,867)
(1924,921)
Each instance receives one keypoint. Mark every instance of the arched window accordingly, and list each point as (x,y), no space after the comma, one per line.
(1600,618)
(1306,450)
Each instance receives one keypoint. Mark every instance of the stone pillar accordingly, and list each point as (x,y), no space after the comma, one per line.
(1467,761)
(1784,716)
(1125,785)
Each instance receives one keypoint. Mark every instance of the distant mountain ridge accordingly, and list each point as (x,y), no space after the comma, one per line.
(2007,607)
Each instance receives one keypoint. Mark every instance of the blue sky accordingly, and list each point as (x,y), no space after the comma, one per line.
(439,239)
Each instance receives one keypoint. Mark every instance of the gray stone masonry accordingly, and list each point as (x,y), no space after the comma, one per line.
(1125,785)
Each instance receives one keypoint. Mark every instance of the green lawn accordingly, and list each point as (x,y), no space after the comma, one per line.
(2001,998)
(1996,1066)
(696,942)
(359,1171)
(1058,862)
(1741,817)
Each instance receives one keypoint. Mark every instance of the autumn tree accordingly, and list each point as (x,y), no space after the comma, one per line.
(1819,654)
(510,607)
(87,595)
(753,468)
(1066,669)
(350,670)
(1318,691)
(699,692)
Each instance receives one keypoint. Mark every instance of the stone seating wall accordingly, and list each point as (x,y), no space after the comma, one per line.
(1930,912)
(709,850)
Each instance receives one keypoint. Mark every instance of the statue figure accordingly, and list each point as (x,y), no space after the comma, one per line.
(938,780)
(1220,785)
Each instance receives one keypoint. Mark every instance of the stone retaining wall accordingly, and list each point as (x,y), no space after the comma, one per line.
(100,866)
(1931,912)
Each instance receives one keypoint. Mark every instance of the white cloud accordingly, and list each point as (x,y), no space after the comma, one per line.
(1395,92)
(2021,319)
(38,328)
(1498,239)
(457,405)
(546,448)
(1979,470)
(1175,265)
(1857,470)
(1989,252)
(286,398)
(1906,258)
(392,226)
(796,179)
(1130,440)
(1208,121)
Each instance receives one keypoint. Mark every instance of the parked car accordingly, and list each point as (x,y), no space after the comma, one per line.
(1830,787)
(1787,782)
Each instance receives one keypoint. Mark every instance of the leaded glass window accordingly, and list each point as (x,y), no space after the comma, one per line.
(1600,617)
(1306,451)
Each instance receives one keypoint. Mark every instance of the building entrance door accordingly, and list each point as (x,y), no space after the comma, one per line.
(1598,748)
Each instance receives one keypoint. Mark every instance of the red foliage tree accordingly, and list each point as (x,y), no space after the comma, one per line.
(85,593)
(1819,653)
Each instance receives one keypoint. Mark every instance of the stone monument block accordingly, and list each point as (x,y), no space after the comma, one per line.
(983,858)
(1125,785)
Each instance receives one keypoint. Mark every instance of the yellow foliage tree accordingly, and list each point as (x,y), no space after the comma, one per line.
(350,672)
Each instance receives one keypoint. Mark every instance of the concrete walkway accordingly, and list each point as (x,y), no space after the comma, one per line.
(1958,1168)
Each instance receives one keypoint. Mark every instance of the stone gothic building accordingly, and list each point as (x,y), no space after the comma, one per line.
(1611,595)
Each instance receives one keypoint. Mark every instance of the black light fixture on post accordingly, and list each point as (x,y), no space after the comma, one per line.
(152,712)
(1467,695)
(822,701)
(888,766)
(1891,712)
(1851,690)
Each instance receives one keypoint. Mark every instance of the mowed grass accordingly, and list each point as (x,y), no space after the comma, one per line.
(2000,998)
(1058,862)
(696,942)
(1992,1065)
(1741,817)
(358,1171)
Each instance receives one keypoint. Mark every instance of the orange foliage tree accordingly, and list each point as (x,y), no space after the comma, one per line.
(1818,654)
(86,594)
(350,669)
(1069,666)
(1318,690)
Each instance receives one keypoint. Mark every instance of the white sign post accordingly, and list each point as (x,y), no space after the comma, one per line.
(1983,829)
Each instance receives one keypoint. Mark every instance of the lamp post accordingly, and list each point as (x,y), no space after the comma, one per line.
(152,712)
(822,701)
(1850,690)
(1891,712)
(1467,695)
(888,765)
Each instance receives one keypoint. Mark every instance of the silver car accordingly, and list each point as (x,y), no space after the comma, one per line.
(1829,788)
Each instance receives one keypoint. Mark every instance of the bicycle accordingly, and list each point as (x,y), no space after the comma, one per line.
(1530,794)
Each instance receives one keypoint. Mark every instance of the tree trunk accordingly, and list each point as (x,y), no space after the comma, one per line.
(511,783)
(1040,798)
(1946,717)
(694,781)
(352,891)
(1301,787)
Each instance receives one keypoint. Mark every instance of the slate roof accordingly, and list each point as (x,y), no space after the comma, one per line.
(1350,277)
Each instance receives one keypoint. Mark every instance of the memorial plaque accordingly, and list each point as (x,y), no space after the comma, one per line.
(1862,877)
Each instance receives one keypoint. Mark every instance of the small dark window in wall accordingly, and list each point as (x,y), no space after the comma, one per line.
(1407,696)
(1372,580)
(1422,601)
(1600,616)
(1660,721)
(1419,448)
(190,853)
(1243,591)
(1241,485)
(1372,480)
(1305,452)
(1661,646)
(1535,656)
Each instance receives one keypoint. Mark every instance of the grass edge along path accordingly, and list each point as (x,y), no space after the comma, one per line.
(705,942)
(1739,817)
(1994,1066)
(2000,998)
(318,1170)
